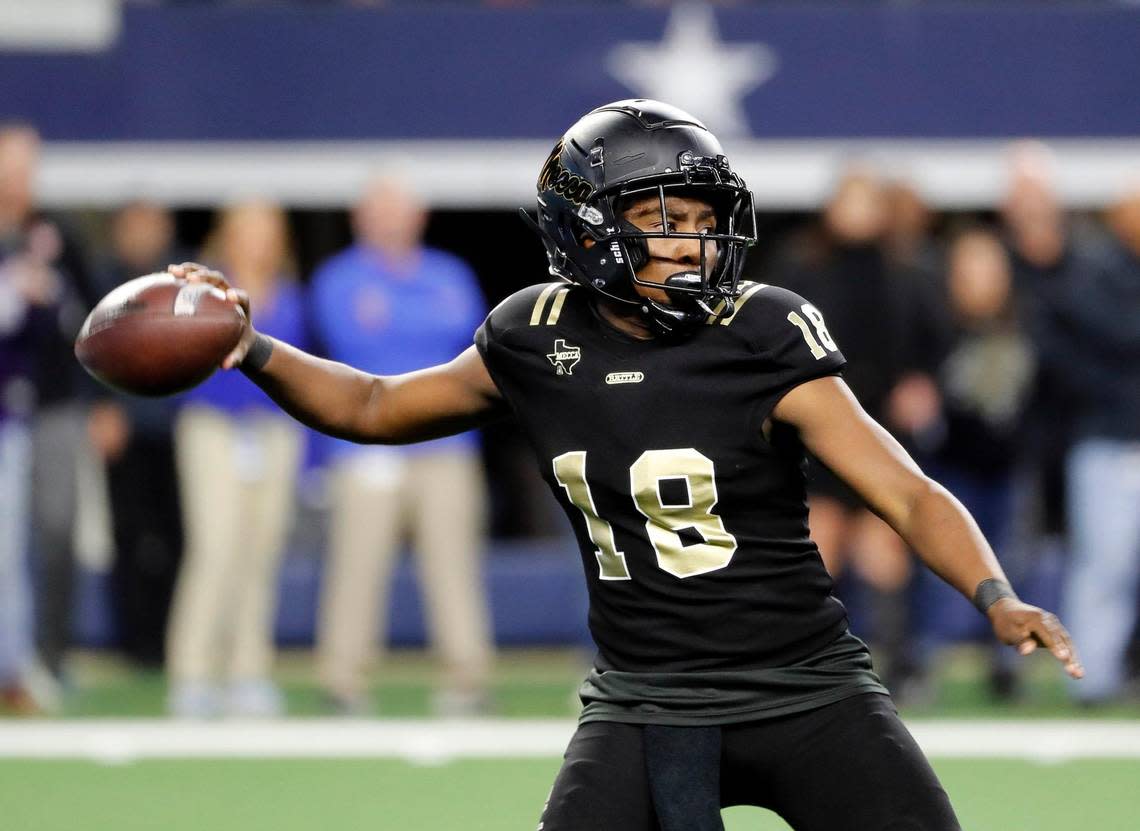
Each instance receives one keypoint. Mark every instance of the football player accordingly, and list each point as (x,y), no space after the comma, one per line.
(669,405)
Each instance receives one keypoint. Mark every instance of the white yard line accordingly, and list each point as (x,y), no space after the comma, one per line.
(418,740)
(1036,740)
(431,742)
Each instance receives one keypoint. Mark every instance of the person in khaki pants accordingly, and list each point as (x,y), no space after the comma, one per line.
(390,304)
(436,500)
(238,458)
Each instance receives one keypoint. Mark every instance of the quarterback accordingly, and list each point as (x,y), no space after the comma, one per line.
(669,405)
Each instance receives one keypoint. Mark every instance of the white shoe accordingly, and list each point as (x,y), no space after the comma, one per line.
(194,700)
(254,698)
(451,703)
(44,689)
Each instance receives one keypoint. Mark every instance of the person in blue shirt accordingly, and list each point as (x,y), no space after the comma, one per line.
(238,458)
(390,305)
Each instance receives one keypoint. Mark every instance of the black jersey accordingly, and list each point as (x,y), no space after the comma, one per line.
(692,524)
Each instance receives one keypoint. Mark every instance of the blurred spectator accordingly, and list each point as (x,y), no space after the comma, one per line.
(1047,258)
(238,457)
(1097,341)
(389,305)
(65,291)
(134,437)
(986,374)
(878,316)
(1050,261)
(30,289)
(985,381)
(907,237)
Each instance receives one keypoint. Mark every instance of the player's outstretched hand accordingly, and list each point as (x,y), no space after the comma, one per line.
(196,273)
(1028,627)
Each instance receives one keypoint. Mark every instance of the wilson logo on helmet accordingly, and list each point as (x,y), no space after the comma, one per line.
(570,186)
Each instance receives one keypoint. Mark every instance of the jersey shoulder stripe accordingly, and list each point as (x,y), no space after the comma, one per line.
(540,304)
(552,297)
(556,306)
(779,326)
(747,290)
(537,305)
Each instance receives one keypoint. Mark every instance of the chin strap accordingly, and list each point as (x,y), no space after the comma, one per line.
(669,322)
(688,309)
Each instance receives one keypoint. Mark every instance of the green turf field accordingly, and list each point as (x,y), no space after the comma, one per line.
(130,791)
(376,795)
(542,683)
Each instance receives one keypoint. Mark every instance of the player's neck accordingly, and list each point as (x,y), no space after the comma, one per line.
(626,320)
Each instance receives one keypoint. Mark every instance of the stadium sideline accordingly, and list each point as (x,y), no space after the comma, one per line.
(423,741)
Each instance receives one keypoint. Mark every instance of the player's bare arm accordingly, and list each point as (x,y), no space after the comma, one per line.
(834,427)
(347,403)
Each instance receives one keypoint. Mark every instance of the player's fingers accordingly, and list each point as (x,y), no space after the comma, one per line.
(240,297)
(1071,659)
(236,356)
(187,269)
(198,273)
(1049,633)
(1074,667)
(1063,644)
(214,278)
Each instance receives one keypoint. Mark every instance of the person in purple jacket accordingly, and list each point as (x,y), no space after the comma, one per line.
(32,290)
(238,458)
(390,304)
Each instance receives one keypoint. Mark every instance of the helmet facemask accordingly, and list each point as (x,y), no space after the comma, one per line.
(704,293)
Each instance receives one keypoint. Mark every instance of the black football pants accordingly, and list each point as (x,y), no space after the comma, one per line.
(848,766)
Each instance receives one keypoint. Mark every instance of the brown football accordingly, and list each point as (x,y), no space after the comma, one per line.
(158,335)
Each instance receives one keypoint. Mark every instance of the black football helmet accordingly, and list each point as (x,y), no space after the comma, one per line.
(622,152)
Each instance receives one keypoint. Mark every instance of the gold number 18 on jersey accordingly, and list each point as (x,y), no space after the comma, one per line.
(663,520)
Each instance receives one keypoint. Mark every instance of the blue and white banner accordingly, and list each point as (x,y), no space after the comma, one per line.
(182,79)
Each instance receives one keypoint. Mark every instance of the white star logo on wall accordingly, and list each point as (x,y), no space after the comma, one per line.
(692,68)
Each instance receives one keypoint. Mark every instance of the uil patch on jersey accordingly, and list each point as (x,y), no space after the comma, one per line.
(564,357)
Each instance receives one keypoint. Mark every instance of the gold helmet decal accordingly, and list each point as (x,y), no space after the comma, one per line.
(570,186)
